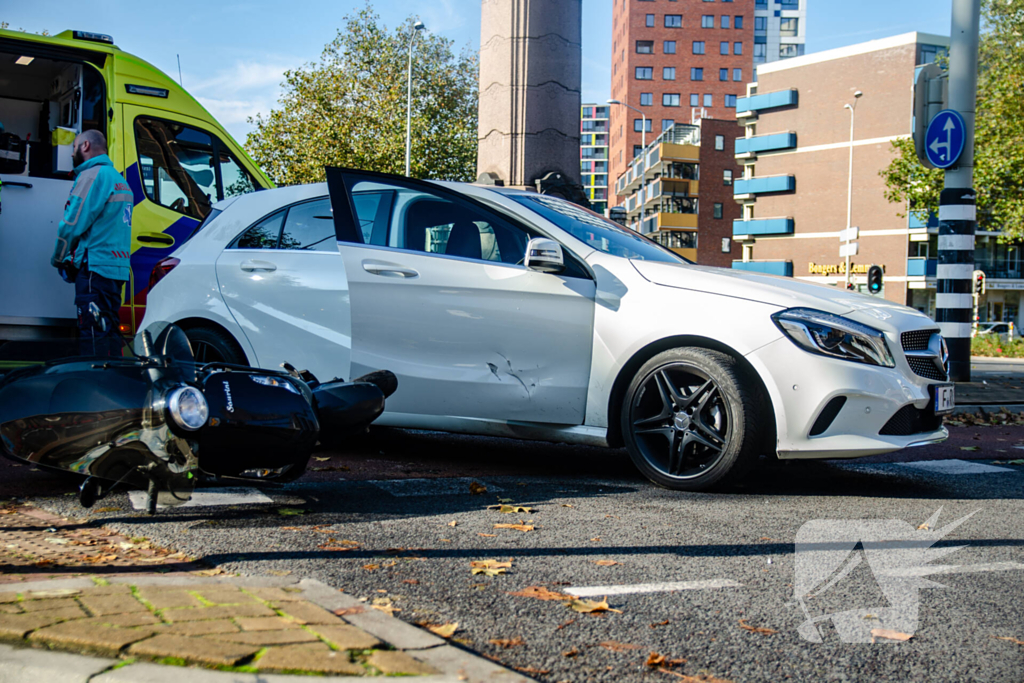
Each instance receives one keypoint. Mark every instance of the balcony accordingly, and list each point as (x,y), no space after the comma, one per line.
(765,143)
(763,226)
(777,183)
(678,170)
(747,106)
(784,268)
(1000,268)
(922,267)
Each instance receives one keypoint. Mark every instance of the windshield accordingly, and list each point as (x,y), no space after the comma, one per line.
(596,230)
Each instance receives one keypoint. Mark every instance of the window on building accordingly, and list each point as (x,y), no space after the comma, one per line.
(650,21)
(669,47)
(645,73)
(737,22)
(787,51)
(588,112)
(789,27)
(761,4)
(719,142)
(718,209)
(673,21)
(670,99)
(646,99)
(707,21)
(709,100)
(666,124)
(737,74)
(637,149)
(696,74)
(726,20)
(698,47)
(737,48)
(638,125)
(726,245)
(668,73)
(600,112)
(730,101)
(727,177)
(929,53)
(723,74)
(723,47)
(694,100)
(645,47)
(760,23)
(760,52)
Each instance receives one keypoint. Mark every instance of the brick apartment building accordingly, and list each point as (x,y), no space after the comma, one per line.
(795,157)
(675,60)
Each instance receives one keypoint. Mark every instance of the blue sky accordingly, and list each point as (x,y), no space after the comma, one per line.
(233,54)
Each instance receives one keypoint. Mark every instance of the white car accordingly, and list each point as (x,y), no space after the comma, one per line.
(510,313)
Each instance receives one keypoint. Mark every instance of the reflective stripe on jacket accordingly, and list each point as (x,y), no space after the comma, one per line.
(97,222)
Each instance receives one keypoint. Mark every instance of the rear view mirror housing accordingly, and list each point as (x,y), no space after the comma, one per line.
(544,255)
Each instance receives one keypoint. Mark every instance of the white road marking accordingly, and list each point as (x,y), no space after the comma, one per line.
(929,570)
(954,467)
(589,591)
(209,498)
(402,488)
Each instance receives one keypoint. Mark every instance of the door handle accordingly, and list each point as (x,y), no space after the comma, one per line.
(389,269)
(155,238)
(11,183)
(252,265)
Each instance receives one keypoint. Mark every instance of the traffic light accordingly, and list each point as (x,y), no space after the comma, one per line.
(850,286)
(875,279)
(979,282)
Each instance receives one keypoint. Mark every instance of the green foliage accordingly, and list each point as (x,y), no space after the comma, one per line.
(349,108)
(992,345)
(999,130)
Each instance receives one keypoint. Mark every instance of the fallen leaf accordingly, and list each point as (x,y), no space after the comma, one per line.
(693,679)
(605,563)
(349,610)
(508,642)
(209,572)
(567,505)
(370,567)
(476,488)
(279,572)
(766,538)
(654,659)
(970,448)
(1009,638)
(292,528)
(518,527)
(923,527)
(596,539)
(411,582)
(561,626)
(336,548)
(488,535)
(112,508)
(387,609)
(660,623)
(443,630)
(288,512)
(453,523)
(541,593)
(320,459)
(756,629)
(43,563)
(616,646)
(490,563)
(888,634)
(510,509)
(571,653)
(591,606)
(531,670)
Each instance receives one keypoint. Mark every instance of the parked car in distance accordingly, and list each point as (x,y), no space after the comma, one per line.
(1004,330)
(510,313)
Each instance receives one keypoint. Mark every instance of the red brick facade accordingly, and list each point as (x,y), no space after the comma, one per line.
(714,191)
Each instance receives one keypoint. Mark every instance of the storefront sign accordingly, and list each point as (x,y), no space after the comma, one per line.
(838,268)
(1003,284)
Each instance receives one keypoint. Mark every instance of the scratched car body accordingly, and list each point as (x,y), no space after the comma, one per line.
(515,314)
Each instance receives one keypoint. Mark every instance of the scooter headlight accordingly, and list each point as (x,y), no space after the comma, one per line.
(188,408)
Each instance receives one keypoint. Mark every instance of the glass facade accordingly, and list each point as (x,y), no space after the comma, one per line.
(594,153)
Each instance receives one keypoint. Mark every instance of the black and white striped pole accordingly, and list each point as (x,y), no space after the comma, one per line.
(954,301)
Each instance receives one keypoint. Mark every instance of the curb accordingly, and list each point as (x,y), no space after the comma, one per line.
(32,665)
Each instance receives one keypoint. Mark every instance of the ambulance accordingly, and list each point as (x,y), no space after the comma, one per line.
(173,154)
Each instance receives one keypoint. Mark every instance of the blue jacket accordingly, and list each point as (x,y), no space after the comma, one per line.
(97,224)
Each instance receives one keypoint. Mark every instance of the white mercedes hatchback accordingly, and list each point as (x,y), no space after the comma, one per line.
(516,314)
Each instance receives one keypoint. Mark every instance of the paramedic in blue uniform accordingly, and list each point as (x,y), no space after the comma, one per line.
(94,244)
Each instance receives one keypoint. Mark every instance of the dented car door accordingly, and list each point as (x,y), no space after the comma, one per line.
(438,296)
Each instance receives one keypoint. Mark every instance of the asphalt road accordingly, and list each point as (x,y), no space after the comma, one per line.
(396,496)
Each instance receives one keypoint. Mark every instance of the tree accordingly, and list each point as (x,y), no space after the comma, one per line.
(348,109)
(999,130)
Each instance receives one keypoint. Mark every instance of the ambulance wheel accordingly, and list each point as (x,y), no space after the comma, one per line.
(210,345)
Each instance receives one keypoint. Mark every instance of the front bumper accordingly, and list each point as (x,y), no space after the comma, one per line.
(802,384)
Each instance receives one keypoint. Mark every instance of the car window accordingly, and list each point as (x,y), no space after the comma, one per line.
(373,211)
(309,226)
(234,177)
(263,235)
(596,230)
(176,163)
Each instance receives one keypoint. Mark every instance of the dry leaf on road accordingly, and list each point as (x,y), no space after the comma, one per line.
(654,659)
(567,505)
(518,527)
(370,567)
(510,509)
(660,623)
(318,459)
(476,488)
(591,606)
(349,610)
(596,539)
(541,593)
(453,523)
(756,629)
(616,646)
(443,630)
(508,642)
(605,563)
(571,653)
(488,535)
(889,634)
(1009,638)
(209,572)
(489,567)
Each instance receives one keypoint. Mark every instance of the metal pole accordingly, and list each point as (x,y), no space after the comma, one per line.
(408,106)
(849,192)
(957,213)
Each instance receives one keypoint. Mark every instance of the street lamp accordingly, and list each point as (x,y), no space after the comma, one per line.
(849,188)
(643,130)
(418,26)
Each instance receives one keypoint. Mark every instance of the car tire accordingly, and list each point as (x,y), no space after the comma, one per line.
(690,419)
(211,345)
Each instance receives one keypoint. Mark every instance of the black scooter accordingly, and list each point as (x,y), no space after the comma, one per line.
(162,422)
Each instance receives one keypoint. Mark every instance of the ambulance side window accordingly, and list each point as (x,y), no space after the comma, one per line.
(234,177)
(176,163)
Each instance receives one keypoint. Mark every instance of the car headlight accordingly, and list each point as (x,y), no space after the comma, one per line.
(834,336)
(188,408)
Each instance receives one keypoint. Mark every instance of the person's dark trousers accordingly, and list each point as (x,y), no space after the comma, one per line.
(98,300)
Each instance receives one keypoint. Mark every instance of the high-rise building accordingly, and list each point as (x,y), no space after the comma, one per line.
(594,154)
(675,61)
(780,28)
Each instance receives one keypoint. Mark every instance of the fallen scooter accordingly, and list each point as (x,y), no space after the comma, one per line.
(162,422)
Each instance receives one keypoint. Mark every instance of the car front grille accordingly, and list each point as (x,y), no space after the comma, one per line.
(909,420)
(917,340)
(925,367)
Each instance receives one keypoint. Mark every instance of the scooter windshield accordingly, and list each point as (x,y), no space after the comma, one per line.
(167,342)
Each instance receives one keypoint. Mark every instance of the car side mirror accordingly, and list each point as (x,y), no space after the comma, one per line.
(544,255)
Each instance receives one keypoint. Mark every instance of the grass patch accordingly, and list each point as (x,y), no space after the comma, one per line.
(123,663)
(99,581)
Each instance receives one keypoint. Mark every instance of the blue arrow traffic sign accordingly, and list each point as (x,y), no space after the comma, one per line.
(944,141)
